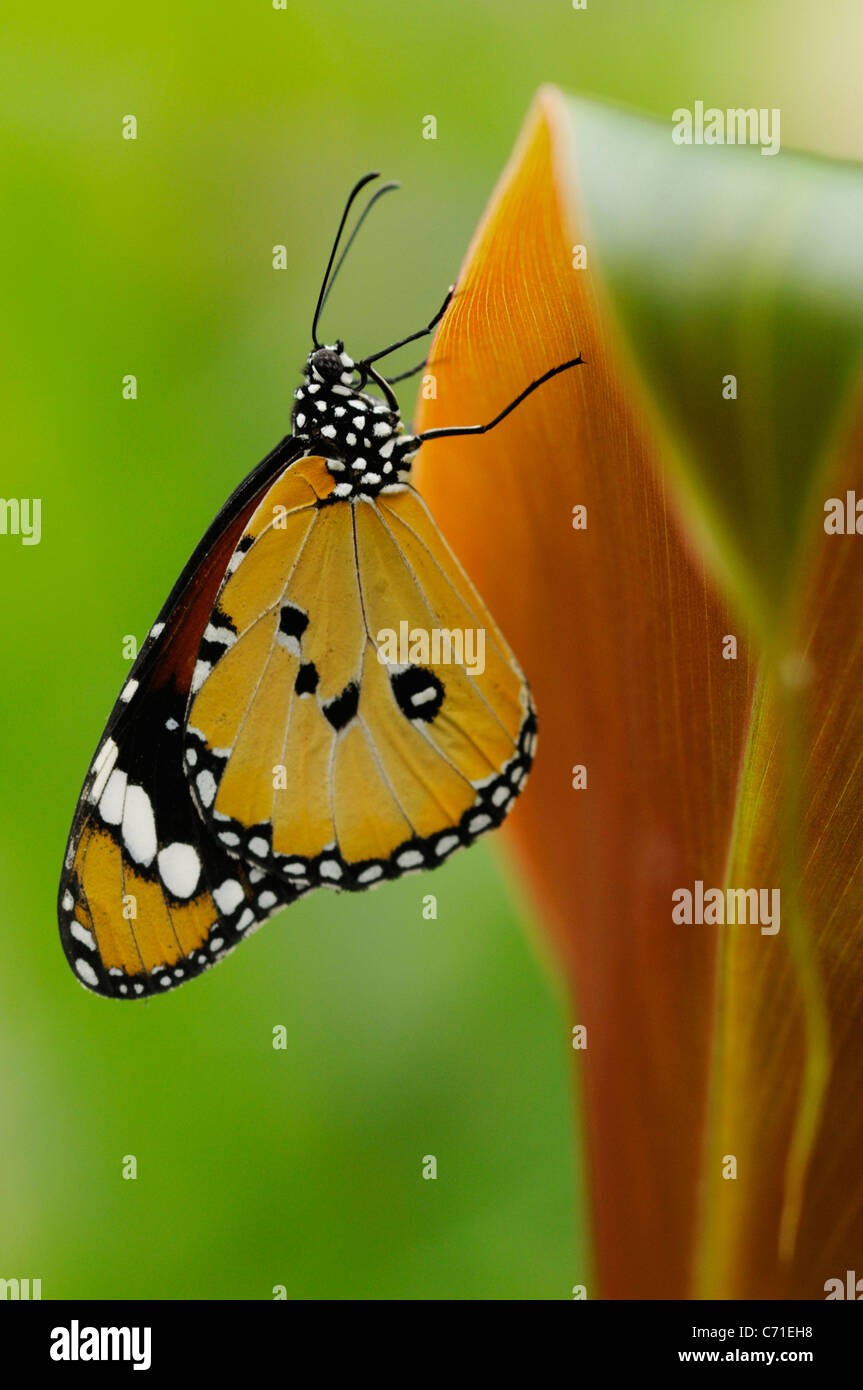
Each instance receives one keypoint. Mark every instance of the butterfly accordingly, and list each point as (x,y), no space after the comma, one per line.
(303,712)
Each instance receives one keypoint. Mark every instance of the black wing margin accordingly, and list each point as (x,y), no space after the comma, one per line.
(148,898)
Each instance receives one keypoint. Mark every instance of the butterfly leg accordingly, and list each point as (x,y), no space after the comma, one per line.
(404,376)
(483,429)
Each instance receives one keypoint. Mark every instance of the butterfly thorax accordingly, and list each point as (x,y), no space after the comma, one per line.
(362,439)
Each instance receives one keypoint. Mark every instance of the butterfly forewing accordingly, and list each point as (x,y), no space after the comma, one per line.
(315,751)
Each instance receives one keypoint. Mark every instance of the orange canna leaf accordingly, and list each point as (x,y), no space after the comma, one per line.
(616,626)
(703,1041)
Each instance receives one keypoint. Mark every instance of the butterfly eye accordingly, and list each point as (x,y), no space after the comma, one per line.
(327,365)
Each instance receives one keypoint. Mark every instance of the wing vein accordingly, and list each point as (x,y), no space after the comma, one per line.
(433,613)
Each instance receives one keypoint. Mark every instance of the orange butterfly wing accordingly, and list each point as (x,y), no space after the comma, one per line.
(312,756)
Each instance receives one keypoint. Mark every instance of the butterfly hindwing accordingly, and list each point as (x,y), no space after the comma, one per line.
(148,898)
(311,756)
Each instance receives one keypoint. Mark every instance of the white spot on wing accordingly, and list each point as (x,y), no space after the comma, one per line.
(86,971)
(220,634)
(410,859)
(200,674)
(228,895)
(139,826)
(180,869)
(206,783)
(103,765)
(111,802)
(81,934)
(448,843)
(108,750)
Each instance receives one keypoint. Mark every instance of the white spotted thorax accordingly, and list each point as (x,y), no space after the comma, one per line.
(361,438)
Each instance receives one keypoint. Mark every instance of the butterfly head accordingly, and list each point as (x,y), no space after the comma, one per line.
(331,366)
(361,436)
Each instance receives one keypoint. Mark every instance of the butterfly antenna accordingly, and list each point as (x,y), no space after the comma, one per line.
(378,193)
(357,188)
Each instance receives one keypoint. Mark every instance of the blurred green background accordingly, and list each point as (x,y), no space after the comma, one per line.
(405,1037)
